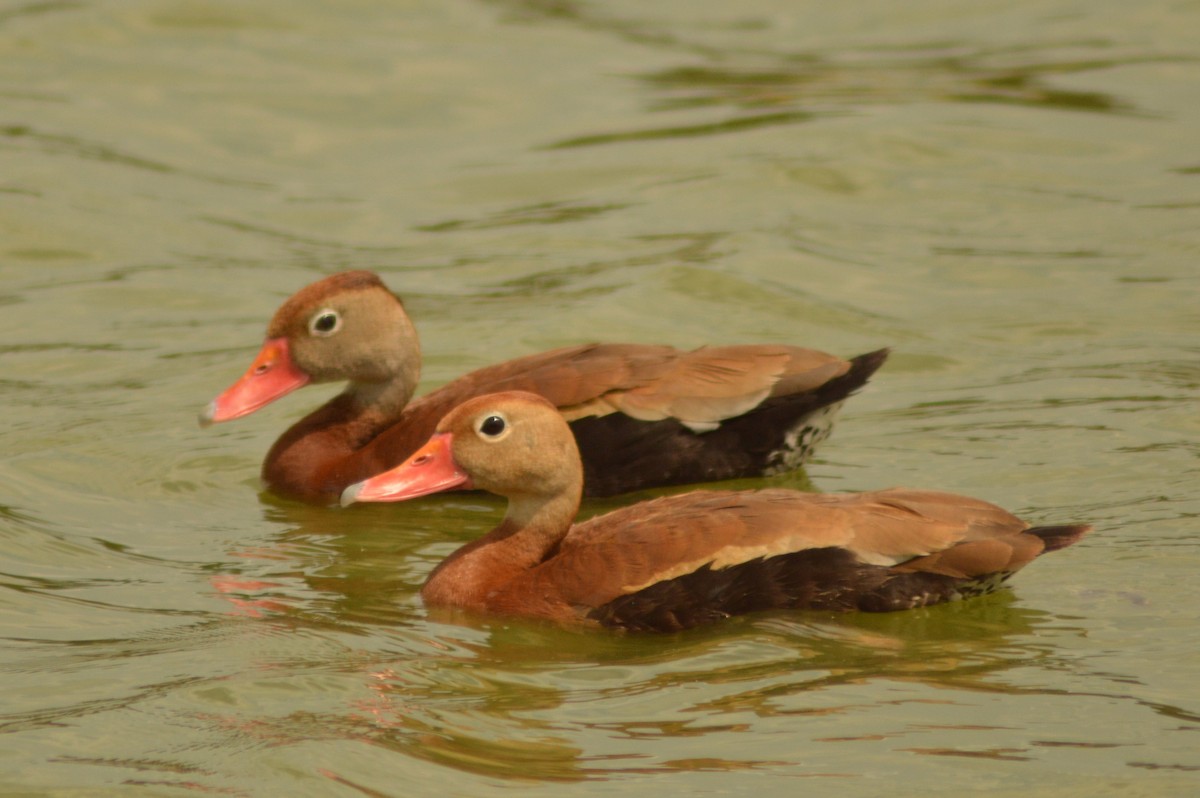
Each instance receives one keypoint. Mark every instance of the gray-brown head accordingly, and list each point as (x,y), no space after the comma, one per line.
(513,444)
(348,326)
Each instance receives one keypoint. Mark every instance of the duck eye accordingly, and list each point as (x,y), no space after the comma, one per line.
(325,323)
(492,426)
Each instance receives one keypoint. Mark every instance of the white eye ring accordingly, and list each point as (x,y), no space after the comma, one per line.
(324,323)
(492,427)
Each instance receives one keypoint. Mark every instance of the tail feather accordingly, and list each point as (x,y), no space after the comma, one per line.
(861,369)
(1059,537)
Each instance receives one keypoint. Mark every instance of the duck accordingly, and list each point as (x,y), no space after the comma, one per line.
(683,560)
(642,415)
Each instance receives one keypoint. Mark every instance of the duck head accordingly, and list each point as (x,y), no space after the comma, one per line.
(514,444)
(348,326)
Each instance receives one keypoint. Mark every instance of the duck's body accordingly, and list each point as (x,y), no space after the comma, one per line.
(643,415)
(679,561)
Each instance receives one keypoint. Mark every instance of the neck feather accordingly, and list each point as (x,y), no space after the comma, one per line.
(530,532)
(340,428)
(381,403)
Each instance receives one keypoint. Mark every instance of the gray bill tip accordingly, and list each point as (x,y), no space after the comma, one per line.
(350,494)
(207,414)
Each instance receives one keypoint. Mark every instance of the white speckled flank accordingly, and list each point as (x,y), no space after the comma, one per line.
(982,586)
(801,439)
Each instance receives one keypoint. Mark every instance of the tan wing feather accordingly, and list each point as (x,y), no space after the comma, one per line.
(896,525)
(710,384)
(807,370)
(978,557)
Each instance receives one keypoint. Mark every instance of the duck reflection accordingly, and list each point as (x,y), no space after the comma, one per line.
(520,700)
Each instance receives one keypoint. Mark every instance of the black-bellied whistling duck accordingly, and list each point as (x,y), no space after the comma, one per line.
(642,415)
(682,560)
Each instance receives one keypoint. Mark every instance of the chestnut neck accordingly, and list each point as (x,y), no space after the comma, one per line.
(531,531)
(317,448)
(379,404)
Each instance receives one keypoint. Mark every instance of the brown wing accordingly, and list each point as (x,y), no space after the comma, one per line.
(704,387)
(632,548)
(701,388)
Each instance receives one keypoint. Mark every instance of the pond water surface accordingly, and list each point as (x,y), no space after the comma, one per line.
(1008,194)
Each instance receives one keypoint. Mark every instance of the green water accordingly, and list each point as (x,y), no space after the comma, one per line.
(1008,194)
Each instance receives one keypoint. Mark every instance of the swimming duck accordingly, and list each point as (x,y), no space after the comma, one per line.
(679,561)
(642,415)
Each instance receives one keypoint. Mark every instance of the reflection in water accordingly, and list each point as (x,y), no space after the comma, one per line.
(348,567)
(523,696)
(526,702)
(522,701)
